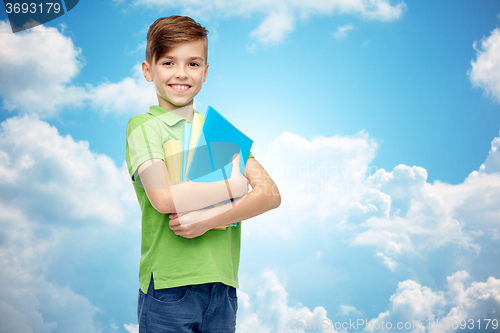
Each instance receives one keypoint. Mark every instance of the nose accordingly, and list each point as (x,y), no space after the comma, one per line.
(181,73)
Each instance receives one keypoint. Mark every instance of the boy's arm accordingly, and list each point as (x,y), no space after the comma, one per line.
(264,196)
(168,197)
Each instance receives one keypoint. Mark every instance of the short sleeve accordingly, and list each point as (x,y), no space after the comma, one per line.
(144,142)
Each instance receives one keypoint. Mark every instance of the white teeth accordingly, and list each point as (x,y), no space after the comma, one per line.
(178,87)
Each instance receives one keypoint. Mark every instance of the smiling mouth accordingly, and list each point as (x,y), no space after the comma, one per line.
(180,87)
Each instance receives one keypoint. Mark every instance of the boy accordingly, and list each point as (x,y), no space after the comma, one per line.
(188,272)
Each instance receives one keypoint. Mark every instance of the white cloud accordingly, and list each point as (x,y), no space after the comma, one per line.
(348,310)
(492,163)
(475,201)
(329,186)
(27,299)
(125,97)
(280,16)
(61,208)
(417,219)
(388,262)
(53,62)
(342,31)
(131,328)
(270,311)
(40,166)
(413,303)
(485,72)
(318,179)
(274,28)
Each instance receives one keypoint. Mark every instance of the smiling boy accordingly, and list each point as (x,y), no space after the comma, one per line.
(178,75)
(188,271)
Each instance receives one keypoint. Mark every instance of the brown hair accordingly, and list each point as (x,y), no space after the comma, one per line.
(167,32)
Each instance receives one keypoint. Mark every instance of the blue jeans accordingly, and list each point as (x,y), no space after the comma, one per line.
(204,308)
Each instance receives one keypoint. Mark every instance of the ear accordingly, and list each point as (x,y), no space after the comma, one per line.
(205,72)
(147,71)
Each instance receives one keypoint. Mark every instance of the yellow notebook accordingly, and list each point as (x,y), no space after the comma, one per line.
(173,158)
(195,134)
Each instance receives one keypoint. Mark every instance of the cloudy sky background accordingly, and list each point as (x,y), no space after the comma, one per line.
(379,121)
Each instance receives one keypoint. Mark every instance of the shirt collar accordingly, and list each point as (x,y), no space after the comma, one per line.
(166,116)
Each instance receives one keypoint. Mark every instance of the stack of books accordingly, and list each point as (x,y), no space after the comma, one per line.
(205,152)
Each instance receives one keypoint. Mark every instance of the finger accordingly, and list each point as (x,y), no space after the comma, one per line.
(173,216)
(174,223)
(236,162)
(183,233)
(236,159)
(177,230)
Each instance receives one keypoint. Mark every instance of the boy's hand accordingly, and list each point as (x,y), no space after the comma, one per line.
(192,224)
(196,223)
(237,182)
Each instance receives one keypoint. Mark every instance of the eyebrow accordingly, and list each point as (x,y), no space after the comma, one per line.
(175,58)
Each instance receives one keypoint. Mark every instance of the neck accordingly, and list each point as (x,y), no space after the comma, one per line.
(185,112)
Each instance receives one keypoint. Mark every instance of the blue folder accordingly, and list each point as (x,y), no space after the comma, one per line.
(219,140)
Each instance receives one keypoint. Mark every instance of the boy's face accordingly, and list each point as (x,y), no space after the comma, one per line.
(178,75)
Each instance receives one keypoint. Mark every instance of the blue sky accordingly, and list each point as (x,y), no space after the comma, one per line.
(398,101)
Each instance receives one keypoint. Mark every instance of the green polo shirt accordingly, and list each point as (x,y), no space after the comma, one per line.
(174,260)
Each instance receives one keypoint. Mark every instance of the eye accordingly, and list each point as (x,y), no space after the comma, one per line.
(168,63)
(194,64)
